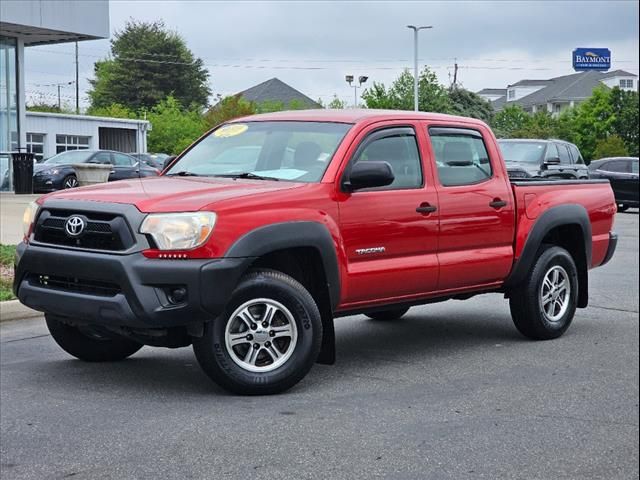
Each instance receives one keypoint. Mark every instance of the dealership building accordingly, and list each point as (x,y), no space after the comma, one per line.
(25,23)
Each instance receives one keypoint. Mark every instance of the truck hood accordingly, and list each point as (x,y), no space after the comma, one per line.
(171,194)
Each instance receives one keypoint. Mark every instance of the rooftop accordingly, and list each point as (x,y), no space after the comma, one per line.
(492,91)
(275,90)
(352,116)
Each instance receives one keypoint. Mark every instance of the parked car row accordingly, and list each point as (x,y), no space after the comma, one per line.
(57,173)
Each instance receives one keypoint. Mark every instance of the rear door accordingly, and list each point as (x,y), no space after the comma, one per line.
(566,169)
(390,234)
(582,171)
(475,204)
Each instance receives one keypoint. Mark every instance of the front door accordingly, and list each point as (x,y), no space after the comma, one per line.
(390,233)
(124,167)
(475,206)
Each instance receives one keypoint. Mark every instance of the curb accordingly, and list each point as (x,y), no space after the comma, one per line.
(14,310)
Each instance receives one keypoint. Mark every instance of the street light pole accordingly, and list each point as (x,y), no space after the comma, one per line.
(415,62)
(361,79)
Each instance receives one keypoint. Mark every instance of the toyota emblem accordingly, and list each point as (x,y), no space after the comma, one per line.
(74,226)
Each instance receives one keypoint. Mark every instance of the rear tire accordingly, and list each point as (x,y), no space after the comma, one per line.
(90,345)
(276,318)
(543,306)
(386,315)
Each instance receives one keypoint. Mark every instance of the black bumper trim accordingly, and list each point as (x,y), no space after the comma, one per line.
(611,249)
(142,303)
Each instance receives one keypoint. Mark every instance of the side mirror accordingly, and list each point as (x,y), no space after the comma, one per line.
(552,161)
(167,162)
(366,174)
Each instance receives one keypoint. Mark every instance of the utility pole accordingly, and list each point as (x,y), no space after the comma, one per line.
(455,73)
(77,85)
(59,104)
(415,62)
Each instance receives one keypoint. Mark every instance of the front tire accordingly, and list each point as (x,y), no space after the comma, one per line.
(70,181)
(386,315)
(544,305)
(88,344)
(267,339)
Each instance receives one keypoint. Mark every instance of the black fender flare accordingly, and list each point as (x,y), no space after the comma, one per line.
(571,214)
(281,236)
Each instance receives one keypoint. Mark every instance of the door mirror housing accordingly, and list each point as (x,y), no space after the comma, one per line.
(552,161)
(369,174)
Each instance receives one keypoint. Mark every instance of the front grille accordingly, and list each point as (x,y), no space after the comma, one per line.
(72,284)
(108,232)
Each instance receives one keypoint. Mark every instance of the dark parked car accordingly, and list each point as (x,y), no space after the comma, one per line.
(155,160)
(56,173)
(622,172)
(552,159)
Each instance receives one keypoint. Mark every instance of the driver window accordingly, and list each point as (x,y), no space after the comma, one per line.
(401,152)
(121,160)
(102,157)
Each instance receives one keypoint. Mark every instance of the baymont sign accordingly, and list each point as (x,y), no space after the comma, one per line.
(591,59)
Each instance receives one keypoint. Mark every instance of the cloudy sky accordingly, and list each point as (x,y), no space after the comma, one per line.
(313,45)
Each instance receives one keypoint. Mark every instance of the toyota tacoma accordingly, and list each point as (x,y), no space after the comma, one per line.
(269,227)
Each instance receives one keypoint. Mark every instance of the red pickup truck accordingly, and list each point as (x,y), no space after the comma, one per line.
(268,227)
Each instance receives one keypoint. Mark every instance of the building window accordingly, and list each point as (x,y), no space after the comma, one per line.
(556,107)
(511,94)
(35,145)
(71,142)
(626,83)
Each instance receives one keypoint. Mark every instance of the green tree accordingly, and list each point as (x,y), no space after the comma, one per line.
(173,127)
(510,119)
(626,124)
(115,110)
(336,103)
(228,108)
(470,104)
(147,64)
(612,146)
(433,97)
(47,107)
(593,121)
(539,125)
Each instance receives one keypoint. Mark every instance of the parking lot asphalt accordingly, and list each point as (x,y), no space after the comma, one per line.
(451,391)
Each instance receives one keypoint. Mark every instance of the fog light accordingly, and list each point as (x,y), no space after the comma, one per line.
(177,295)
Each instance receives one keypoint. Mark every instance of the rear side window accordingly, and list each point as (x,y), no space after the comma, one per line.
(460,155)
(617,166)
(401,152)
(563,153)
(575,153)
(121,160)
(634,166)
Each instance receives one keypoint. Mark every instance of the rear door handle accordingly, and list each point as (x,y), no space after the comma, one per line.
(497,203)
(426,208)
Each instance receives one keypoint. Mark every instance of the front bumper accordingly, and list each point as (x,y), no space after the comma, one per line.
(47,183)
(139,287)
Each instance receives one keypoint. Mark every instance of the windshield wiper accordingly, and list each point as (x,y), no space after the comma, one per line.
(249,175)
(183,173)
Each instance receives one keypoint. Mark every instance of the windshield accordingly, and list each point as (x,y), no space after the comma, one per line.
(70,156)
(522,152)
(295,151)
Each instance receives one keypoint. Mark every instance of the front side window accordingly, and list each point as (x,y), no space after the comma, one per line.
(461,156)
(401,152)
(102,157)
(634,166)
(286,150)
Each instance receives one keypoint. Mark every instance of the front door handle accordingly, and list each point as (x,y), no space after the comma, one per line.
(426,208)
(497,203)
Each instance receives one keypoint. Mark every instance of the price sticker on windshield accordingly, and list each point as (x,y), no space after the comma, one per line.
(231,130)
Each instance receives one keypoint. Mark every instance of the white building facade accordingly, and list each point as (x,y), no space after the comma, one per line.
(50,133)
(24,23)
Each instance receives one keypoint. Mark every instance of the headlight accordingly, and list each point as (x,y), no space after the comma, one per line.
(28,217)
(179,231)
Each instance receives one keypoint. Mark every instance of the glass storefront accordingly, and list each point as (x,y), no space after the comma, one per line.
(8,106)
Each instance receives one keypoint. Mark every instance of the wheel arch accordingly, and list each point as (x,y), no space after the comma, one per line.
(567,226)
(305,251)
